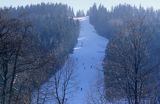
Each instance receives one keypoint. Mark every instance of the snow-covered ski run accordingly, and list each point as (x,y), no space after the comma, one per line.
(88,57)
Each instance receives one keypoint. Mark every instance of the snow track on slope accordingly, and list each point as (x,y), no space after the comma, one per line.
(89,53)
(88,56)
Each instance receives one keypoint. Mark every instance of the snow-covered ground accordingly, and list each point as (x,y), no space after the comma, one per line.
(89,52)
(88,56)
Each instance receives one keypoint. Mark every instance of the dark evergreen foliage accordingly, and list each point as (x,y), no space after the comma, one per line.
(117,25)
(51,36)
(80,13)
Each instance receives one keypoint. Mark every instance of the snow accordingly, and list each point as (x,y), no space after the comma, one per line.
(88,55)
(89,52)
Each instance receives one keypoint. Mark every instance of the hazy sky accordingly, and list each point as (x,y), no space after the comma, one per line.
(85,4)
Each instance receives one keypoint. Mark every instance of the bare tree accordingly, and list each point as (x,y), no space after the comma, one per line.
(20,58)
(97,93)
(63,82)
(128,66)
(12,37)
(59,88)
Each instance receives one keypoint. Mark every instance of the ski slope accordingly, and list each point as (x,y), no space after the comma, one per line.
(88,56)
(89,52)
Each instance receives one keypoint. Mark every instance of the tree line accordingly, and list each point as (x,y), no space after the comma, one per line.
(131,63)
(35,41)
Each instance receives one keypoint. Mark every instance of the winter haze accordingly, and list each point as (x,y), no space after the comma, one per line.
(85,4)
(79,52)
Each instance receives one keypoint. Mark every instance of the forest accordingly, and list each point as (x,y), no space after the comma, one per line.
(51,54)
(131,63)
(35,41)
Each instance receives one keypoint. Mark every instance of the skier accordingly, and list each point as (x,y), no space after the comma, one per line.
(91,66)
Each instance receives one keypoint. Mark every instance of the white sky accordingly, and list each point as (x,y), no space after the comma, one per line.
(85,4)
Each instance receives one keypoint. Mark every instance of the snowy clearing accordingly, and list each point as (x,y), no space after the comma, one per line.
(89,60)
(88,57)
